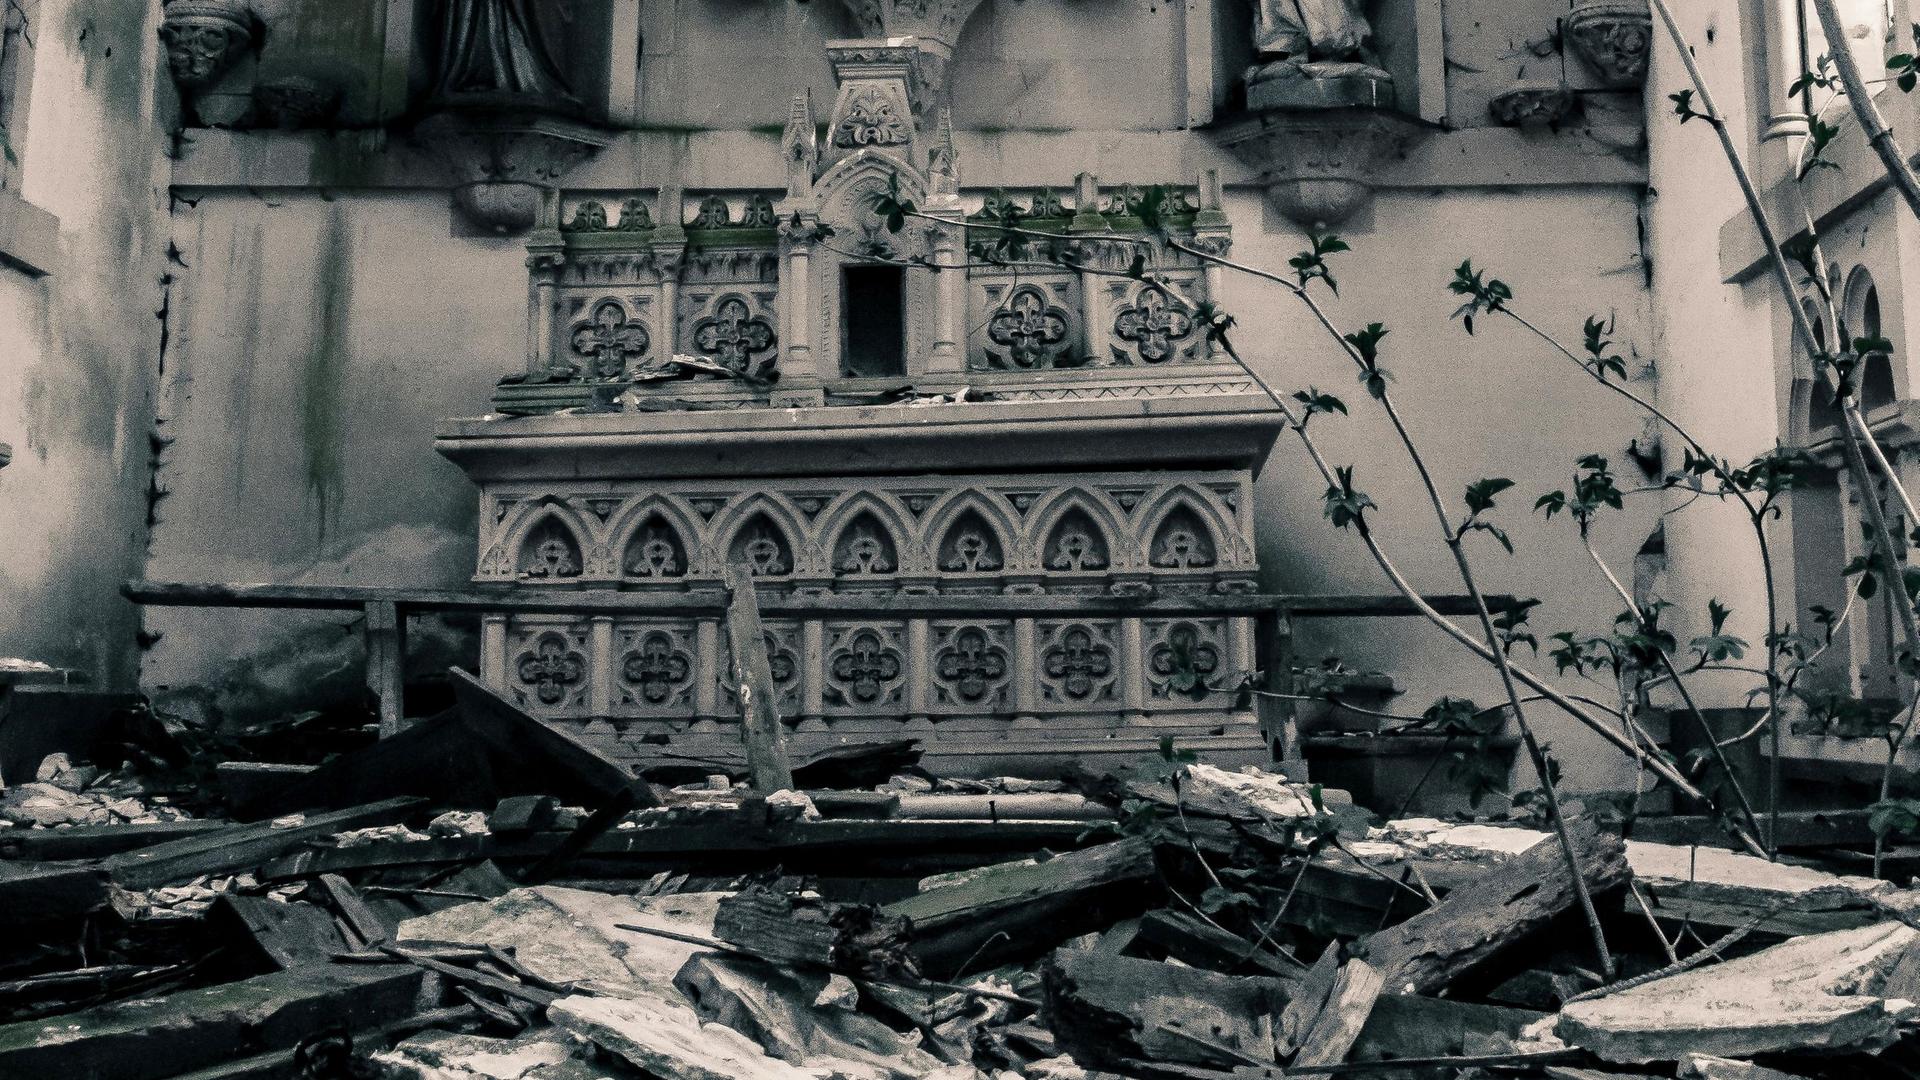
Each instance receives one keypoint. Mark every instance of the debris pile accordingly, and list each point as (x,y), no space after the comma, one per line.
(483,897)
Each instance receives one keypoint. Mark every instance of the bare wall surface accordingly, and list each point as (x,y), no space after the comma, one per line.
(318,341)
(80,348)
(1496,404)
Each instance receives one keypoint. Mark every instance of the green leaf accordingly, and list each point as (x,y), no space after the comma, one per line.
(1344,505)
(1480,493)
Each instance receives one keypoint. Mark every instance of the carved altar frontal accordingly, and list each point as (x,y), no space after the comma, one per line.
(781,381)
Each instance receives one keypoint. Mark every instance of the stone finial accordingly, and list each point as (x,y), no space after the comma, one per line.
(943,167)
(800,143)
(202,37)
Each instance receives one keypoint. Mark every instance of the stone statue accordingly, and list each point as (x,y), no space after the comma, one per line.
(1309,30)
(497,49)
(1314,54)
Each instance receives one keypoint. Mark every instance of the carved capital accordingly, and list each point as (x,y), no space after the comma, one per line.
(1319,165)
(1613,37)
(202,37)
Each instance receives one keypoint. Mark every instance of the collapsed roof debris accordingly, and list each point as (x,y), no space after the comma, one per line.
(1170,920)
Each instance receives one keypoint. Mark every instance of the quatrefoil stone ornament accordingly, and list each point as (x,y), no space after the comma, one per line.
(1029,328)
(611,340)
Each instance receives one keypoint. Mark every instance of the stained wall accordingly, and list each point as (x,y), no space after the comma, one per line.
(81,349)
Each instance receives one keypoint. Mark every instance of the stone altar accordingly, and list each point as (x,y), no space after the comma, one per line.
(848,418)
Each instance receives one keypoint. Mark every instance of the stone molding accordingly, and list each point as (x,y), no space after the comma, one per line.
(560,533)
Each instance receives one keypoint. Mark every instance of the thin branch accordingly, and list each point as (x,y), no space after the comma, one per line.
(1864,110)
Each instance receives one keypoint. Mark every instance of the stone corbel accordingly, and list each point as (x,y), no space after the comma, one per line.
(502,160)
(203,41)
(1613,37)
(1318,165)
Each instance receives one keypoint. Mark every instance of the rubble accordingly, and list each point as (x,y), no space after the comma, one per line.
(570,922)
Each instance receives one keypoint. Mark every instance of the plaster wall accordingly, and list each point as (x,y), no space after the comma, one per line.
(1495,404)
(80,347)
(318,341)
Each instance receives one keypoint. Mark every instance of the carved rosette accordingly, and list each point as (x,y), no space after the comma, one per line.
(203,37)
(1614,38)
(550,671)
(1319,165)
(1183,657)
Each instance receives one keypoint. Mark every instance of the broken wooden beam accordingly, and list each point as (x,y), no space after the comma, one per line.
(287,935)
(768,770)
(541,759)
(33,893)
(1204,945)
(853,939)
(97,841)
(151,1038)
(1349,1004)
(1109,1011)
(1506,903)
(244,847)
(1003,911)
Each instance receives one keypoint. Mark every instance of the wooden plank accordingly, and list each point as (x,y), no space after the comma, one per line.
(1107,1011)
(1019,908)
(1203,945)
(236,850)
(565,766)
(710,602)
(802,845)
(359,918)
(385,629)
(1798,829)
(97,841)
(462,775)
(288,935)
(201,1028)
(30,893)
(760,731)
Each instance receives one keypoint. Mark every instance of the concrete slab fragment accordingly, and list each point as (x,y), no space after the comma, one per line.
(569,935)
(1810,993)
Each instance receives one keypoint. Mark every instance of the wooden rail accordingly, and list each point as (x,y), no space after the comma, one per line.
(386,611)
(713,602)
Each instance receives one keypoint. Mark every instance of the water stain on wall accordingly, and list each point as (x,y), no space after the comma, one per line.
(323,374)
